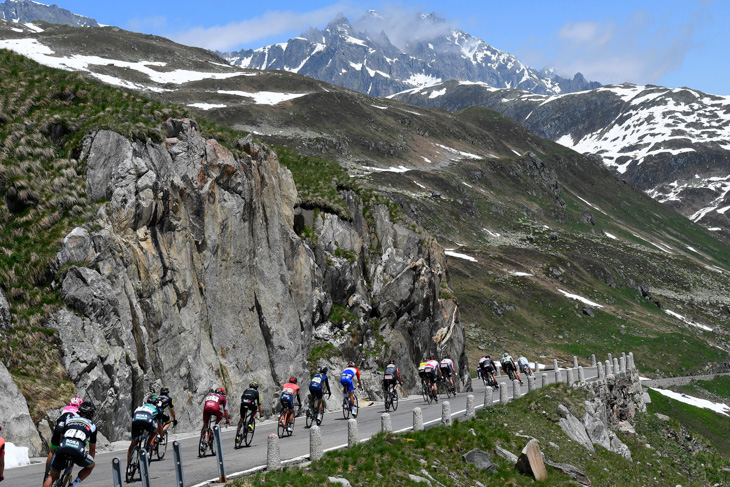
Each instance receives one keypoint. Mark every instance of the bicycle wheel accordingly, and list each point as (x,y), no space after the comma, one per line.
(290,428)
(386,398)
(240,432)
(425,392)
(161,446)
(345,408)
(310,416)
(449,393)
(132,465)
(211,442)
(281,427)
(394,399)
(250,429)
(203,445)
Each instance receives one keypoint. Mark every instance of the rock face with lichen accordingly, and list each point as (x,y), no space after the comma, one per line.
(193,276)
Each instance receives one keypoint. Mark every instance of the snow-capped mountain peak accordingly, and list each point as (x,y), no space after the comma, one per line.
(24,11)
(381,56)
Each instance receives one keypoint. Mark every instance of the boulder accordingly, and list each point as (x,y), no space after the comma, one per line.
(339,480)
(507,455)
(530,461)
(6,321)
(573,472)
(480,459)
(18,427)
(574,428)
(77,248)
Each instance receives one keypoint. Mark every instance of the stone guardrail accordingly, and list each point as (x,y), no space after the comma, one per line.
(680,381)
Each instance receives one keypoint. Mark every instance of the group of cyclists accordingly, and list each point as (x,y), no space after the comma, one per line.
(430,370)
(487,369)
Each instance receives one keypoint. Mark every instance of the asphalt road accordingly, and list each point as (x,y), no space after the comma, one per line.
(334,434)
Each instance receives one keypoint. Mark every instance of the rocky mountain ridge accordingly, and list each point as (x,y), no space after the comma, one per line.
(360,56)
(670,143)
(24,11)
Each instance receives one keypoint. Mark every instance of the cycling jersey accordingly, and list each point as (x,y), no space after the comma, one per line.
(250,399)
(2,446)
(58,429)
(391,374)
(78,434)
(288,391)
(165,402)
(431,369)
(144,420)
(70,409)
(522,361)
(346,379)
(317,385)
(447,366)
(215,403)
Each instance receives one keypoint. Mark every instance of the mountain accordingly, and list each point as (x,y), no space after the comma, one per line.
(670,143)
(24,11)
(362,57)
(417,225)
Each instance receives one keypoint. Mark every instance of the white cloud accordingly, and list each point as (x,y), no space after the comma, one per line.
(271,23)
(403,25)
(640,49)
(146,24)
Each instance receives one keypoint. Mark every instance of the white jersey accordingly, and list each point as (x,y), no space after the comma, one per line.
(522,361)
(447,363)
(482,360)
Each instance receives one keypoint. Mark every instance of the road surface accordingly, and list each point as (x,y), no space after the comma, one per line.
(334,434)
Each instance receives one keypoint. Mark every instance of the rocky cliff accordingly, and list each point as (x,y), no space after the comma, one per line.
(192,276)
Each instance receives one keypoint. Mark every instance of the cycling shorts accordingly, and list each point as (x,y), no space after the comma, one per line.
(287,401)
(208,413)
(389,379)
(347,383)
(165,419)
(71,449)
(316,393)
(446,371)
(142,427)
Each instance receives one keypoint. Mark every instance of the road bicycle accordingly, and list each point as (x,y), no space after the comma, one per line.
(312,414)
(246,429)
(346,407)
(66,476)
(512,374)
(489,379)
(527,371)
(426,391)
(390,393)
(160,447)
(285,428)
(136,457)
(445,387)
(206,438)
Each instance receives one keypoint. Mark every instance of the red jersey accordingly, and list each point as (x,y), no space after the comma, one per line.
(215,402)
(290,388)
(2,446)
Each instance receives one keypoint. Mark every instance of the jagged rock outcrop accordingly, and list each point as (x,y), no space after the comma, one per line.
(194,277)
(18,427)
(6,321)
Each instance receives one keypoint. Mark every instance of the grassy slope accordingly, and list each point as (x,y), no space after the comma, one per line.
(717,390)
(387,460)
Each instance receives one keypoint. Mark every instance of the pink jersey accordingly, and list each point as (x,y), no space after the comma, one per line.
(215,402)
(434,364)
(70,409)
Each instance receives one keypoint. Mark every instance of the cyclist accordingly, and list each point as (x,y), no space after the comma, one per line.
(67,412)
(508,364)
(2,456)
(432,372)
(422,370)
(288,391)
(391,376)
(524,365)
(164,403)
(316,389)
(346,379)
(78,445)
(216,405)
(250,401)
(145,421)
(488,369)
(448,370)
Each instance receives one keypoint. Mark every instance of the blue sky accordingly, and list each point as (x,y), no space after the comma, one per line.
(669,42)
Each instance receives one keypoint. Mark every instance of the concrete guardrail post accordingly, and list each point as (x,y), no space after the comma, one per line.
(555,364)
(417,419)
(446,413)
(273,455)
(470,410)
(581,375)
(632,365)
(558,379)
(623,354)
(544,380)
(315,443)
(608,368)
(117,472)
(177,459)
(622,364)
(516,389)
(615,369)
(575,362)
(530,383)
(488,396)
(610,357)
(570,377)
(537,366)
(386,425)
(353,436)
(503,395)
(593,360)
(601,372)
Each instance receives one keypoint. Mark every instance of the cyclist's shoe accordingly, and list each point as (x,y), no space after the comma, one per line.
(238,438)
(290,428)
(250,427)
(319,417)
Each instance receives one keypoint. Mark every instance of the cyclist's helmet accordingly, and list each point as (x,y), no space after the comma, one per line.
(433,357)
(448,357)
(254,385)
(323,370)
(87,409)
(392,361)
(350,363)
(293,380)
(75,402)
(220,390)
(164,391)
(152,399)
